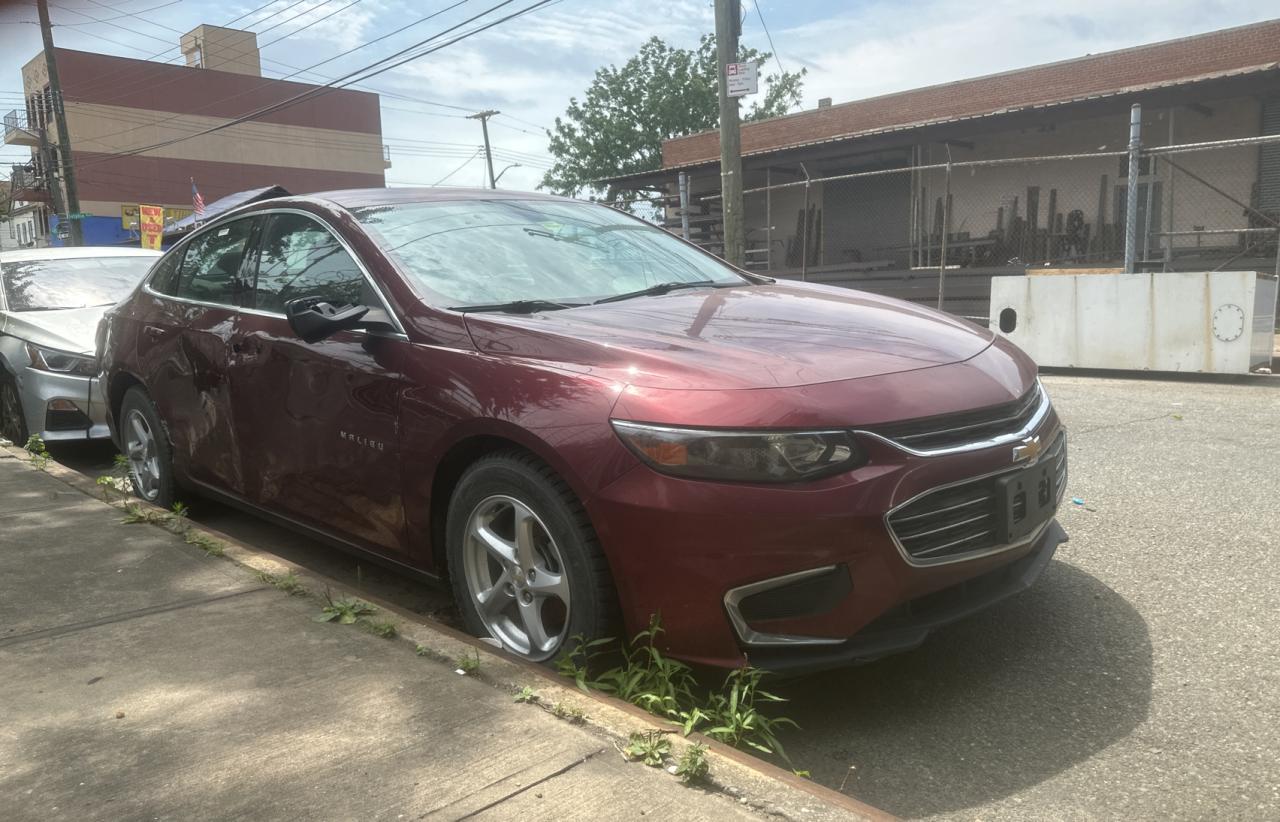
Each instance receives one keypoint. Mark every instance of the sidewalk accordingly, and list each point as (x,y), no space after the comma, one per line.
(146,679)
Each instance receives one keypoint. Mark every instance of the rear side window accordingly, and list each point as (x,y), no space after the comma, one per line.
(210,270)
(165,278)
(301,258)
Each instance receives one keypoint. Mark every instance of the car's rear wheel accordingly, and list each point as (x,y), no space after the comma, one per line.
(13,426)
(146,447)
(524,561)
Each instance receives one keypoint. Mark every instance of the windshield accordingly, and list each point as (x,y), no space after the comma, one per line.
(482,252)
(45,285)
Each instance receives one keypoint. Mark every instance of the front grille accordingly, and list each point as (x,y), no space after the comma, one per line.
(962,519)
(951,430)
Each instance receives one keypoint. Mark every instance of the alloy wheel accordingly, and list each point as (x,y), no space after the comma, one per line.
(140,450)
(10,414)
(516,577)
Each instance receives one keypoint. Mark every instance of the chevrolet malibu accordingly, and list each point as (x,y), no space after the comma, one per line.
(583,421)
(50,302)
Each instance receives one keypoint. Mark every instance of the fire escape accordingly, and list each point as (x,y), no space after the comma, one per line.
(33,181)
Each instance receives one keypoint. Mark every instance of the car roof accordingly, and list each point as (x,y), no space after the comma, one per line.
(361,197)
(74,253)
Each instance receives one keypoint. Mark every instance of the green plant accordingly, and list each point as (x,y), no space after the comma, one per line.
(469,663)
(39,453)
(647,678)
(526,694)
(573,714)
(289,583)
(176,518)
(650,747)
(134,514)
(666,688)
(734,718)
(211,546)
(693,765)
(384,628)
(344,611)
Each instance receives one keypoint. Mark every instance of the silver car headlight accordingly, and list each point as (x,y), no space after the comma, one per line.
(741,456)
(61,362)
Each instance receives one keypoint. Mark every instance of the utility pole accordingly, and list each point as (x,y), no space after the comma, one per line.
(60,118)
(728,27)
(483,117)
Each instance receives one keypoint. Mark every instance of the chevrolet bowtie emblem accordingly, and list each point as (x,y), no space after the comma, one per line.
(1028,450)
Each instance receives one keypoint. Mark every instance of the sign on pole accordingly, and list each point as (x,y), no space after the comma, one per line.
(741,78)
(151,225)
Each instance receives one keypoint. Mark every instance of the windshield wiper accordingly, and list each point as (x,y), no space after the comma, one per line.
(518,306)
(660,288)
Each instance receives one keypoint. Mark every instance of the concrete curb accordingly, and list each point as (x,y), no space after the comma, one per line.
(753,782)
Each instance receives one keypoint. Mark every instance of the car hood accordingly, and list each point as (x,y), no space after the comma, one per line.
(66,329)
(778,335)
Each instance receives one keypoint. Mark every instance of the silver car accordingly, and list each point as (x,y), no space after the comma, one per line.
(50,302)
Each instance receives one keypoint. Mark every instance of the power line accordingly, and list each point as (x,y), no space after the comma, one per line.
(315,65)
(769,36)
(413,52)
(474,155)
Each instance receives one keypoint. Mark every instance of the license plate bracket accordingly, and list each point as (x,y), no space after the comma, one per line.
(1025,500)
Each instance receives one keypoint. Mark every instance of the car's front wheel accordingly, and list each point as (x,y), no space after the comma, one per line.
(13,426)
(524,561)
(146,447)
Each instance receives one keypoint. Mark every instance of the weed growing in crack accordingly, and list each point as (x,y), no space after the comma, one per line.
(693,765)
(667,688)
(469,663)
(211,546)
(344,611)
(572,714)
(381,627)
(289,583)
(649,747)
(39,453)
(526,694)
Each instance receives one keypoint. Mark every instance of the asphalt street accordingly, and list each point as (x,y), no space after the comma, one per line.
(1138,679)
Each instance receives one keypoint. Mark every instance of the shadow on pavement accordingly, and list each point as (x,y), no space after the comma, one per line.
(984,709)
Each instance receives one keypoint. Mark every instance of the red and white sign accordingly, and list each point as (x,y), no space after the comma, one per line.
(742,79)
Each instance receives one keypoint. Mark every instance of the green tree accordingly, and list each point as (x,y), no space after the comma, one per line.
(662,92)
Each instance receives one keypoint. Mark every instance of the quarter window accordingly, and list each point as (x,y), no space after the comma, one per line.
(300,258)
(210,270)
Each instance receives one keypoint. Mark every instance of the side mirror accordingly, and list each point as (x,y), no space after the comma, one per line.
(313,319)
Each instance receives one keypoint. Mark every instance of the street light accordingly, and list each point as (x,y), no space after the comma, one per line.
(504,171)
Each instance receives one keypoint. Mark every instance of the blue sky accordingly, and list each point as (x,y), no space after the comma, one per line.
(529,68)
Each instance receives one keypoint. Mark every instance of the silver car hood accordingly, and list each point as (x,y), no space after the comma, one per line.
(67,329)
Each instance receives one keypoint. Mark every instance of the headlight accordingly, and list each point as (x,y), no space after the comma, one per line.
(60,362)
(741,456)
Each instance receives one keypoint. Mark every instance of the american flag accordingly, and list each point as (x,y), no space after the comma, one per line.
(196,200)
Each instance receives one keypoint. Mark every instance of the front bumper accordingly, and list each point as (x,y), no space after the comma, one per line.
(681,549)
(909,624)
(38,389)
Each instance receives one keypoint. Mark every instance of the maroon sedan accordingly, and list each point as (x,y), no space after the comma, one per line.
(583,421)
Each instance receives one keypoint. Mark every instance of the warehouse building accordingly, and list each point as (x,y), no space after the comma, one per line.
(137,132)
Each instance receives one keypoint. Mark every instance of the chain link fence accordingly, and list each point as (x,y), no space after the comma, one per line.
(936,230)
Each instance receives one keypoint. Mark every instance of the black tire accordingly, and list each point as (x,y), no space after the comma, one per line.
(593,612)
(162,492)
(13,425)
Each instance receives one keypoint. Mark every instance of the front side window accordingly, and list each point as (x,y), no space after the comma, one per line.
(210,269)
(300,258)
(476,252)
(70,282)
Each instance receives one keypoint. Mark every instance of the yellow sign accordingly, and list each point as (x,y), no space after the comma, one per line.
(151,225)
(129,216)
